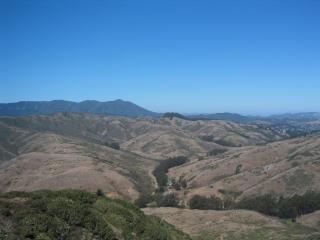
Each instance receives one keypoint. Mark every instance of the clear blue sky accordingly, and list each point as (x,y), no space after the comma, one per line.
(255,57)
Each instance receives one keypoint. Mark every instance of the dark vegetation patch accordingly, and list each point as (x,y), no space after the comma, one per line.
(75,214)
(205,203)
(160,173)
(113,145)
(289,208)
(283,207)
(238,169)
(158,199)
(216,151)
(207,138)
(172,115)
(179,184)
(162,169)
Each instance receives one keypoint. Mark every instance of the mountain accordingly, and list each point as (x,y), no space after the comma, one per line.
(117,107)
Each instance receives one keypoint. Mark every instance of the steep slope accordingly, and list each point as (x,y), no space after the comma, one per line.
(284,168)
(71,150)
(52,161)
(117,107)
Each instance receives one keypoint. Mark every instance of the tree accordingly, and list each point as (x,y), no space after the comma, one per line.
(205,203)
(168,200)
(113,145)
(100,193)
(238,169)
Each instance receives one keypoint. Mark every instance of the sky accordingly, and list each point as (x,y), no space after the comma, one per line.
(188,56)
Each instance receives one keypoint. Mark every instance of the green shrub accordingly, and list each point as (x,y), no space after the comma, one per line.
(70,211)
(168,200)
(100,193)
(113,145)
(35,224)
(215,152)
(161,170)
(205,203)
(73,214)
(238,169)
(143,200)
(291,207)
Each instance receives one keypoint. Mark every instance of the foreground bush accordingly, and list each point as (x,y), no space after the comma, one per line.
(75,214)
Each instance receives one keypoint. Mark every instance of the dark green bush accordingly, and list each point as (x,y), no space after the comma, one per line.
(291,207)
(266,204)
(161,170)
(238,169)
(215,152)
(206,203)
(113,145)
(168,200)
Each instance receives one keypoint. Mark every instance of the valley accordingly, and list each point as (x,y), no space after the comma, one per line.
(120,155)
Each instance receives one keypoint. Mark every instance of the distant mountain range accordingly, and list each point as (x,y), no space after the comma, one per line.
(129,109)
(117,107)
(234,117)
(238,118)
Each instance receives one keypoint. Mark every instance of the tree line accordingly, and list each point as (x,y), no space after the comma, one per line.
(291,207)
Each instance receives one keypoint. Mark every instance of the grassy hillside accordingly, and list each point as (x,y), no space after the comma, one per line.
(235,225)
(75,214)
(284,168)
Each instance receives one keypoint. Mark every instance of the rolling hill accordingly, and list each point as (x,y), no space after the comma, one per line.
(118,155)
(285,168)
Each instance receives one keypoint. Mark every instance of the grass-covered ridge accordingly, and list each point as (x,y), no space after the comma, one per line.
(75,214)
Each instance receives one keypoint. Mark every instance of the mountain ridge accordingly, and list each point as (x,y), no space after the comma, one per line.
(121,107)
(115,107)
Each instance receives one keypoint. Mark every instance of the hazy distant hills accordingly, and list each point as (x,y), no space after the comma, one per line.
(234,117)
(297,116)
(117,107)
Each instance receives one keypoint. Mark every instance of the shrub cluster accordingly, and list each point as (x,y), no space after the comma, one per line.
(113,145)
(75,214)
(271,205)
(205,203)
(161,170)
(216,151)
(158,199)
(291,207)
(179,184)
